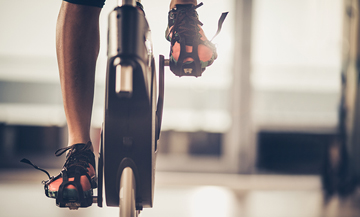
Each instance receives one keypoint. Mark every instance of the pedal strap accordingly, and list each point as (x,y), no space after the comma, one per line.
(76,183)
(184,69)
(220,23)
(26,161)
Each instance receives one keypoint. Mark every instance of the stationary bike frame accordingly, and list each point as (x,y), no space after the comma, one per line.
(133,113)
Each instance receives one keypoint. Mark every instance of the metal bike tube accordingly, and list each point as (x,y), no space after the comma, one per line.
(123,78)
(127,194)
(127,2)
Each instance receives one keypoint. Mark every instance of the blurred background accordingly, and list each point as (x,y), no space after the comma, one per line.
(249,138)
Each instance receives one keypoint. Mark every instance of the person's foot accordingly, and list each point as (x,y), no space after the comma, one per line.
(76,180)
(191,52)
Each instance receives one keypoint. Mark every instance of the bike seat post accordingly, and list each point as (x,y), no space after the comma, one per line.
(126,2)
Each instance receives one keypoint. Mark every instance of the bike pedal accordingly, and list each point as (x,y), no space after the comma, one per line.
(75,204)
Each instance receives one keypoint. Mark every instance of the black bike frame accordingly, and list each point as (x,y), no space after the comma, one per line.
(132,120)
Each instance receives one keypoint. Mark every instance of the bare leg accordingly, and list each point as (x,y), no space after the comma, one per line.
(77,44)
(175,2)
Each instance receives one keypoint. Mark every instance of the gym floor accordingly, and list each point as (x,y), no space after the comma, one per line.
(191,195)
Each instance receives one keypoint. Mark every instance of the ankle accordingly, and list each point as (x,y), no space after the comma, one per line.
(82,142)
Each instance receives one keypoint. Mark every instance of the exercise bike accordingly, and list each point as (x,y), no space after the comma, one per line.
(133,114)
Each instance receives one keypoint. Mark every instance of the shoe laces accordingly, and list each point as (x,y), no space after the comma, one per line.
(186,24)
(78,156)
